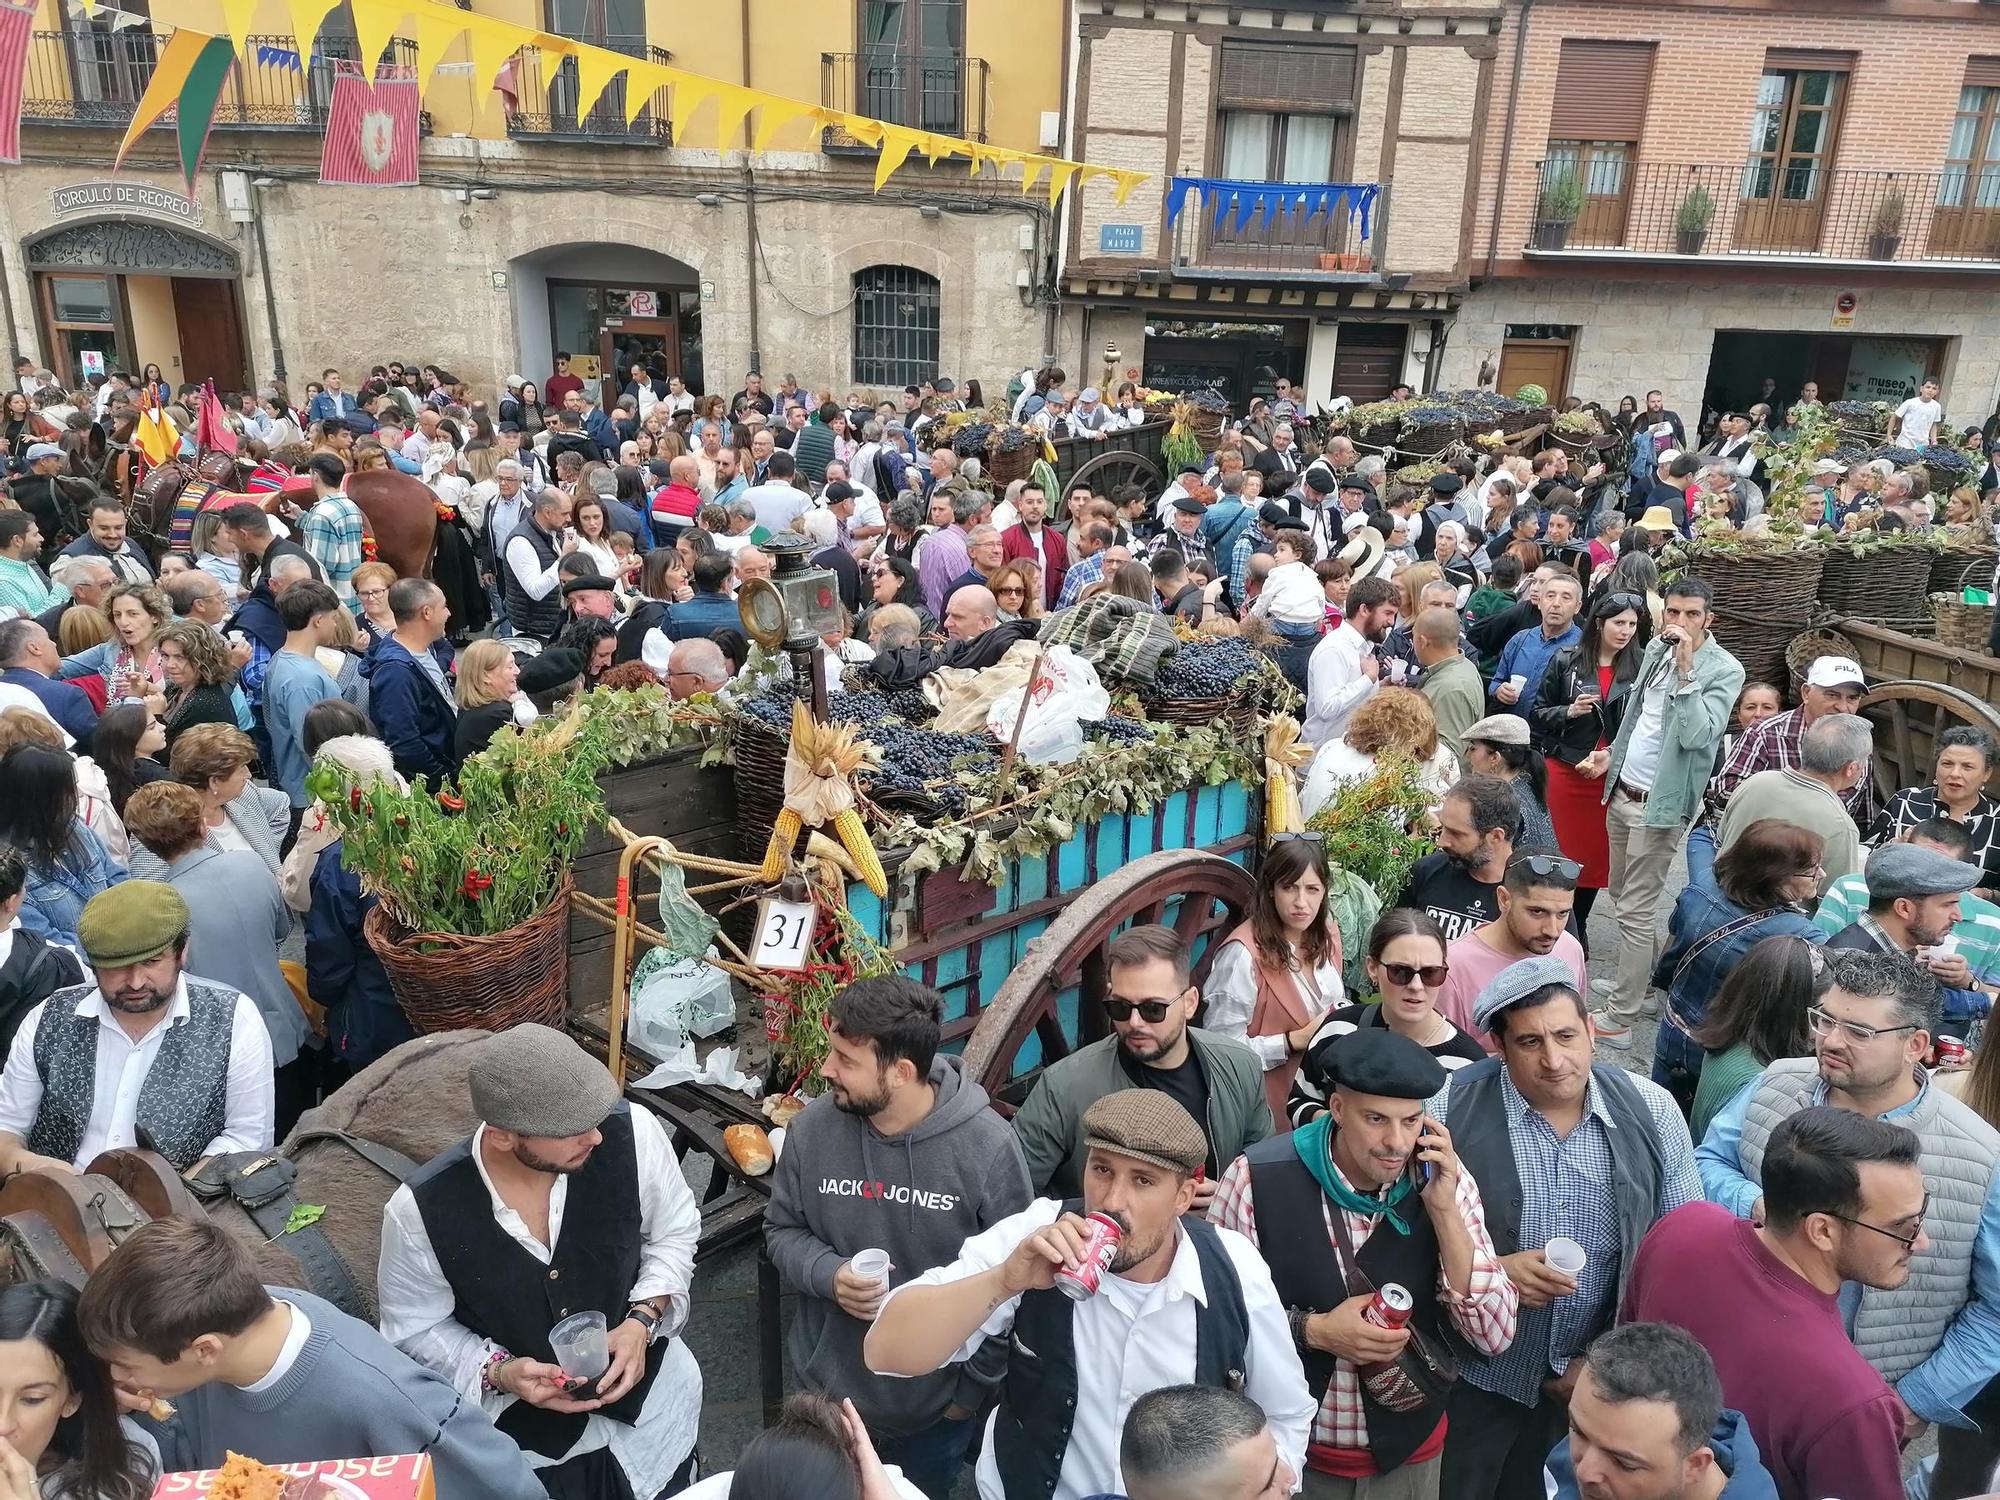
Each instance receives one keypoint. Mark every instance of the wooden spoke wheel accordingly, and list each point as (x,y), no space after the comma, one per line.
(1107,471)
(1199,895)
(1908,717)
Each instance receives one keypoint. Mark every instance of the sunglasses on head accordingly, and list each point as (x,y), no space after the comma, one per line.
(1432,975)
(1546,865)
(1151,1011)
(1308,837)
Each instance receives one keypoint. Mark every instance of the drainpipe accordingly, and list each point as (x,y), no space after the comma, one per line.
(7,307)
(1507,135)
(270,297)
(750,263)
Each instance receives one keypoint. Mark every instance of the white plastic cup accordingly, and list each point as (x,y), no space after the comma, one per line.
(872,1265)
(1518,681)
(1567,1256)
(580,1345)
(1938,950)
(1398,669)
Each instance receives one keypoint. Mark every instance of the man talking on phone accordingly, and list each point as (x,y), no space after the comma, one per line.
(1366,1196)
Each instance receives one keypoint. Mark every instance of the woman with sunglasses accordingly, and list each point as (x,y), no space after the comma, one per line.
(1571,720)
(1406,965)
(891,580)
(1018,590)
(1757,1017)
(1764,885)
(1278,973)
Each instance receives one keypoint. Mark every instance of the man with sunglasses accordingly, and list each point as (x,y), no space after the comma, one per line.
(1562,1146)
(1935,1338)
(1536,898)
(1154,1044)
(1844,1203)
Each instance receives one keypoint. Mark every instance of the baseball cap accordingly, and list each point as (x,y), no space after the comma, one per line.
(1835,671)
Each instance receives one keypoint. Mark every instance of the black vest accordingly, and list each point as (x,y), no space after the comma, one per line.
(503,1293)
(1479,1132)
(540,618)
(1038,1403)
(1306,1269)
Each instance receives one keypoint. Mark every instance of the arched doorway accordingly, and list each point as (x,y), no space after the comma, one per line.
(123,293)
(605,305)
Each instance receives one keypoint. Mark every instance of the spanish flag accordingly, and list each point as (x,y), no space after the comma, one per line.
(157,437)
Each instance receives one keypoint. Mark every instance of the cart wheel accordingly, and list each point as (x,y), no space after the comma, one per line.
(1908,717)
(1107,471)
(1201,896)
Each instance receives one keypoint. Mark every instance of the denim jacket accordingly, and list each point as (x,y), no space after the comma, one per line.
(57,895)
(1703,909)
(1696,715)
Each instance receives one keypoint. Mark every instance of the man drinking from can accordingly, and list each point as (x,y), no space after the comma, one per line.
(1177,1302)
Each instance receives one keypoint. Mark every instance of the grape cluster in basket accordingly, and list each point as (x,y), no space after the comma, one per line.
(1219,668)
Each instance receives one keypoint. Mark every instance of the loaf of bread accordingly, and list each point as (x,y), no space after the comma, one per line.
(749,1148)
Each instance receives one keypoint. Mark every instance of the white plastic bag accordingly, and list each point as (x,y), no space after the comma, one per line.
(1066,694)
(683,998)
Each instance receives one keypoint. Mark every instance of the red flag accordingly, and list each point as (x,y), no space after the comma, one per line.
(371,132)
(16,27)
(212,432)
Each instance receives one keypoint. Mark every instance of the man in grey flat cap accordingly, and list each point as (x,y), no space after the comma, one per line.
(1913,903)
(1180,1302)
(565,1200)
(1936,1337)
(1562,1147)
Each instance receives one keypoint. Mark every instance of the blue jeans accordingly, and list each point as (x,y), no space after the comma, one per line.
(1676,1063)
(931,1458)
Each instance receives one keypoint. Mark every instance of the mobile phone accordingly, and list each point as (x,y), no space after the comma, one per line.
(584,1390)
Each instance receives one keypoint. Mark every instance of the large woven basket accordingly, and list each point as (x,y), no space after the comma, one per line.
(1430,438)
(446,982)
(1808,647)
(1512,422)
(1886,584)
(1004,468)
(760,780)
(1962,626)
(1762,599)
(1959,568)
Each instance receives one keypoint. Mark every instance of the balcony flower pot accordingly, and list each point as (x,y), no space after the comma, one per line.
(1329,261)
(1692,218)
(1551,234)
(1351,260)
(1884,246)
(1690,241)
(1886,227)
(1557,208)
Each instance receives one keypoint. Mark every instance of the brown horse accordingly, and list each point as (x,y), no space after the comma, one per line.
(402,513)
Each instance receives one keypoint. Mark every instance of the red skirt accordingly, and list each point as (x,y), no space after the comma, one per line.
(1576,808)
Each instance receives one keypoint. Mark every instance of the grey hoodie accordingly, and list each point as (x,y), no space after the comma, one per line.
(842,1186)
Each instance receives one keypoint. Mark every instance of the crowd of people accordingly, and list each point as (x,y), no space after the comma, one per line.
(1392,1222)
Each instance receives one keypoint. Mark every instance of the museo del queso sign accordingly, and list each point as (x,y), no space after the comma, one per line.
(125,198)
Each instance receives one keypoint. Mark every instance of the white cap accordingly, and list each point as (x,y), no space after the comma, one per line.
(1668,456)
(1355,522)
(1835,671)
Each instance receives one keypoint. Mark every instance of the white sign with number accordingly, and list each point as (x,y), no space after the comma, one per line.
(784,934)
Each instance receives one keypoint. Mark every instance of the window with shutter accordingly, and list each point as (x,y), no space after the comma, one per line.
(1601,90)
(1291,79)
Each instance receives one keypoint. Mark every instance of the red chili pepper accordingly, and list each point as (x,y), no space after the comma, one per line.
(451,803)
(354,798)
(475,884)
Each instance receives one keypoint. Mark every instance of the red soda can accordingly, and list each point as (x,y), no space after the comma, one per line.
(1391,1308)
(1098,1252)
(1950,1049)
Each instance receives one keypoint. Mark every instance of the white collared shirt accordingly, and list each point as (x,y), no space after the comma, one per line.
(1335,683)
(122,1067)
(1134,1337)
(416,1305)
(297,1330)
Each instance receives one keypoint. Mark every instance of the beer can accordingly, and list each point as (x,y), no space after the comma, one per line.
(1950,1049)
(1391,1308)
(1098,1252)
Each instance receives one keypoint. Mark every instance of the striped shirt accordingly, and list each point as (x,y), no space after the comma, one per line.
(1919,804)
(1080,576)
(333,532)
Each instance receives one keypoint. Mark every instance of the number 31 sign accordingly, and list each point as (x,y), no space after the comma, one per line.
(784,934)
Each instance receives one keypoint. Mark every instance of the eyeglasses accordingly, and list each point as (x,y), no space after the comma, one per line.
(1546,865)
(1153,1011)
(1822,1024)
(1309,837)
(1614,603)
(1433,975)
(1907,1241)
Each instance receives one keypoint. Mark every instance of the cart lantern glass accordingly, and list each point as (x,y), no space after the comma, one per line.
(801,602)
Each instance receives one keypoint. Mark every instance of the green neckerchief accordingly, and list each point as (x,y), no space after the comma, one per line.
(1314,1143)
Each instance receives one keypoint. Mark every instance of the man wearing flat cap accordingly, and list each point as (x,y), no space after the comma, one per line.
(1561,1147)
(564,1200)
(1914,891)
(1935,1337)
(1181,1302)
(1366,1195)
(143,1055)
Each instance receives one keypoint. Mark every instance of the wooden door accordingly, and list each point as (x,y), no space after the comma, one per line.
(1788,175)
(211,331)
(623,339)
(1543,362)
(1368,360)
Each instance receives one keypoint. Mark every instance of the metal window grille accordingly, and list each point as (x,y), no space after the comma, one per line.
(895,325)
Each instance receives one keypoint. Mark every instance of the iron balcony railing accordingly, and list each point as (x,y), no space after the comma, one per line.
(89,77)
(545,103)
(937,91)
(1289,242)
(1605,202)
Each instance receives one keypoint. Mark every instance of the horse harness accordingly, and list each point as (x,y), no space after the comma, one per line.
(262,1184)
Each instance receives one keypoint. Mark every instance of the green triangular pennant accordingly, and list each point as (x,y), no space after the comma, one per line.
(197,102)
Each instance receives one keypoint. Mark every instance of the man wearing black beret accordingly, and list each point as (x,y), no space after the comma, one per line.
(1370,1196)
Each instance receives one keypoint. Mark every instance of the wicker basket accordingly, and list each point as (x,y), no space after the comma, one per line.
(760,780)
(445,982)
(1962,626)
(1207,425)
(1430,438)
(1944,479)
(1959,568)
(1004,468)
(1375,436)
(1808,647)
(1761,599)
(1886,584)
(1514,422)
